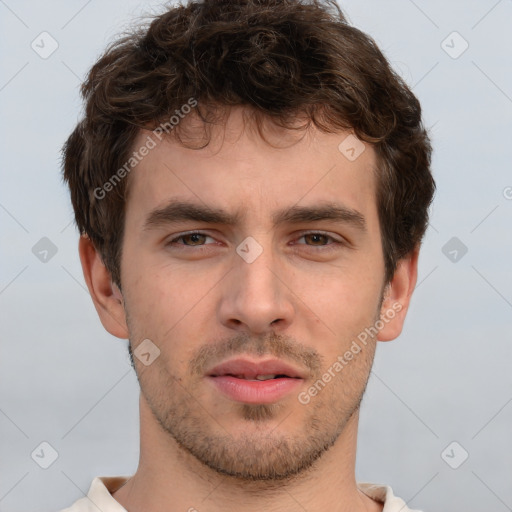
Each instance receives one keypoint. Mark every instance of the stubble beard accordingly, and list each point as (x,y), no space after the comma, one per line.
(258,453)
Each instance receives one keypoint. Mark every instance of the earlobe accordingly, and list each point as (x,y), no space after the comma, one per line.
(105,295)
(398,296)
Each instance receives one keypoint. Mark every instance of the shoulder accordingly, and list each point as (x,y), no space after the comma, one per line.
(384,494)
(99,496)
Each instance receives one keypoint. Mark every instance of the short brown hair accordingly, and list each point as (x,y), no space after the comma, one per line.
(280,58)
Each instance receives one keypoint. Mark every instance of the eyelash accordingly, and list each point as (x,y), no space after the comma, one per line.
(203,247)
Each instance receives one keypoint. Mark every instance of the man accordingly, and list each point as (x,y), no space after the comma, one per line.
(251,183)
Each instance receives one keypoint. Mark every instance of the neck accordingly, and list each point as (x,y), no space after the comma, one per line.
(168,479)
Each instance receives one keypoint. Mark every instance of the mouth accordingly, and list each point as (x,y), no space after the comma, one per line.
(255,382)
(257,377)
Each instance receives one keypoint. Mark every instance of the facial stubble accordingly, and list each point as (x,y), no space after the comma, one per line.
(258,451)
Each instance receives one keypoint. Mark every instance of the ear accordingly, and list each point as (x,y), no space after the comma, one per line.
(397,296)
(105,295)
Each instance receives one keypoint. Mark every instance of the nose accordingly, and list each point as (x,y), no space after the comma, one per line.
(255,296)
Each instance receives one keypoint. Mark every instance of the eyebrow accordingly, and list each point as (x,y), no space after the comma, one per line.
(178,211)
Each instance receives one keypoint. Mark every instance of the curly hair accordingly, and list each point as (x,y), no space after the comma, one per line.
(281,59)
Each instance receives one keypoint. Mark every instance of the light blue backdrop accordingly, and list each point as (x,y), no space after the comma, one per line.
(447,379)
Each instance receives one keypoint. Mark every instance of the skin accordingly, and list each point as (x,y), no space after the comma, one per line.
(304,298)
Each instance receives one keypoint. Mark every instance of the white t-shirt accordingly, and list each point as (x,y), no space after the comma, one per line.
(99,496)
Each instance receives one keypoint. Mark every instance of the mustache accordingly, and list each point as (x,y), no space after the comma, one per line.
(281,347)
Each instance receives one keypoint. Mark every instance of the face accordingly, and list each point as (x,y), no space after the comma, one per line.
(241,262)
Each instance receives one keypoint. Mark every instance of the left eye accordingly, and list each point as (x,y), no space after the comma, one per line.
(317,238)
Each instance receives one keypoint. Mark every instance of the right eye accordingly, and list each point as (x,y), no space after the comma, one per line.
(195,237)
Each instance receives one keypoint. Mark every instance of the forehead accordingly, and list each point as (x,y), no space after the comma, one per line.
(240,171)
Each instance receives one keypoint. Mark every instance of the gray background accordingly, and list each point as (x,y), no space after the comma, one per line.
(65,381)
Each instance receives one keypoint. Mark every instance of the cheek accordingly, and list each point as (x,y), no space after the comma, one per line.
(169,308)
(147,304)
(153,290)
(342,299)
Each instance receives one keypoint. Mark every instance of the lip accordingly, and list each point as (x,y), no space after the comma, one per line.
(230,378)
(250,369)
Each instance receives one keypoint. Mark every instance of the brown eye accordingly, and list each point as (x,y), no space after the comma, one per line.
(194,239)
(317,242)
(317,238)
